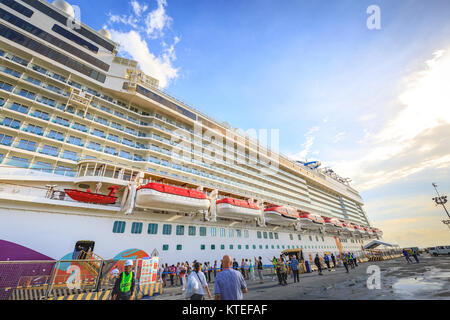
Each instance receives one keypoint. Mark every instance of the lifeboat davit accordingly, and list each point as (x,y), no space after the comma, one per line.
(332,224)
(170,198)
(89,197)
(279,215)
(311,221)
(237,209)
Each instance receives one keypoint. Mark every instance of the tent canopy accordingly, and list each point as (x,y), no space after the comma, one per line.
(376,243)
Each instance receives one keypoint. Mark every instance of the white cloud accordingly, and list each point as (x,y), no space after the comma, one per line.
(157,20)
(138,8)
(134,42)
(159,67)
(307,145)
(415,139)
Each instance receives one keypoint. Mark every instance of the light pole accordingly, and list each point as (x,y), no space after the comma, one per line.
(441,200)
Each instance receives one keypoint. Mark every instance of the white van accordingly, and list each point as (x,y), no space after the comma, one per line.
(435,251)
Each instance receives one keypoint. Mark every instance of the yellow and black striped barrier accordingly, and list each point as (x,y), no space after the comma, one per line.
(148,290)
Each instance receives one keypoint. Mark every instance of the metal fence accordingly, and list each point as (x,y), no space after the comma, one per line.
(40,280)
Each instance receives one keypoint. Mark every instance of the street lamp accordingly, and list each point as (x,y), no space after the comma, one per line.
(441,200)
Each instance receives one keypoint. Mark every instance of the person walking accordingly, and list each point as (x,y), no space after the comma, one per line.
(282,271)
(317,263)
(260,270)
(165,274)
(354,260)
(414,254)
(243,268)
(334,260)
(327,261)
(252,270)
(209,272)
(345,262)
(183,276)
(215,269)
(350,260)
(406,254)
(247,269)
(171,274)
(230,284)
(197,284)
(235,264)
(274,263)
(294,267)
(125,282)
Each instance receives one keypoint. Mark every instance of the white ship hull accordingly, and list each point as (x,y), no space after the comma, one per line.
(152,199)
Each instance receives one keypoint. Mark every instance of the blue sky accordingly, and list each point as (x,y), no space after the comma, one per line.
(354,98)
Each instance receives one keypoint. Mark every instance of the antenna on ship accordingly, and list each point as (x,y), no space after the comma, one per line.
(441,200)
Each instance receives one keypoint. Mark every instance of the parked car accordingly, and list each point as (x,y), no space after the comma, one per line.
(439,250)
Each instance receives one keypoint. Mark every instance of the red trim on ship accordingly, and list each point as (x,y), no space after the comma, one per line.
(183,192)
(239,203)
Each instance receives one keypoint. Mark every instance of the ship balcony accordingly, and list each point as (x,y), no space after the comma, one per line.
(98,171)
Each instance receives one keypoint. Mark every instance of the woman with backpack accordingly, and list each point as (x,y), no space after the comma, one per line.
(197,284)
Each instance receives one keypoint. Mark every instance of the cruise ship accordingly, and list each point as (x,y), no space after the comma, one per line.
(94,152)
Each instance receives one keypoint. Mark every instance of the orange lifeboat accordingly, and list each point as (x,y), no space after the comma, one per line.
(279,215)
(237,209)
(170,198)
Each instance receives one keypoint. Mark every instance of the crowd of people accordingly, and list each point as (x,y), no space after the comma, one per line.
(228,275)
(251,269)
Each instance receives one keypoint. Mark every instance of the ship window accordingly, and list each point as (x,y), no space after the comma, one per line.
(282,246)
(299,237)
(245,233)
(119,227)
(238,233)
(265,235)
(258,234)
(136,227)
(254,246)
(310,238)
(323,239)
(246,246)
(213,247)
(180,230)
(231,247)
(179,247)
(152,228)
(192,230)
(260,246)
(278,246)
(202,231)
(291,236)
(276,235)
(167,229)
(202,247)
(317,238)
(267,246)
(222,247)
(212,232)
(239,247)
(230,233)
(222,232)
(5,140)
(273,247)
(165,247)
(270,235)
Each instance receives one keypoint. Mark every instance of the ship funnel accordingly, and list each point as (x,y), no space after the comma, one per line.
(105,33)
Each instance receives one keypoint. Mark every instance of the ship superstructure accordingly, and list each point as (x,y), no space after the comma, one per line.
(92,149)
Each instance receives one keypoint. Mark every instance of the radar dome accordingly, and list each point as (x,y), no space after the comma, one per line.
(65,7)
(105,33)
